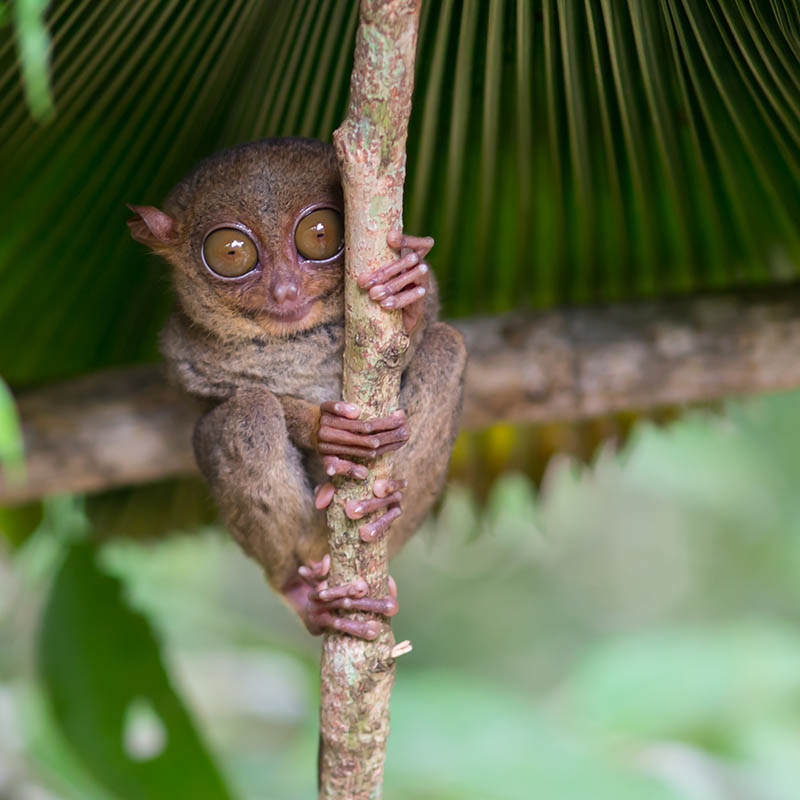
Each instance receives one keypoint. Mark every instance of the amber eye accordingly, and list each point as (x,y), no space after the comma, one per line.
(320,234)
(229,252)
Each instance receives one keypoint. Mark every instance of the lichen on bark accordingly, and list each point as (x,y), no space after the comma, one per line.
(357,675)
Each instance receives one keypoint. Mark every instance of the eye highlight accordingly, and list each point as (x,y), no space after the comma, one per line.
(320,234)
(229,252)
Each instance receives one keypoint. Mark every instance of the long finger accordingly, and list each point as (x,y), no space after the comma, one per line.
(362,630)
(375,605)
(383,487)
(332,436)
(398,435)
(372,530)
(341,466)
(323,495)
(404,298)
(393,420)
(357,588)
(313,572)
(366,280)
(340,408)
(387,448)
(420,244)
(330,449)
(355,509)
(418,275)
(337,436)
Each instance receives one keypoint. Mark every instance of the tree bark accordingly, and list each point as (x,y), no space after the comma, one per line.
(128,426)
(357,675)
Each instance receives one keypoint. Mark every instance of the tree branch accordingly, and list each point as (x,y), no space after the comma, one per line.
(127,426)
(357,675)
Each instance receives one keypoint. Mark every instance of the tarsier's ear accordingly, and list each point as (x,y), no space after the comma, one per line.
(151,226)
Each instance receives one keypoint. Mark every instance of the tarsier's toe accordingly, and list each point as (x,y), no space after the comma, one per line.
(315,571)
(333,465)
(325,600)
(352,597)
(323,494)
(356,509)
(370,531)
(386,494)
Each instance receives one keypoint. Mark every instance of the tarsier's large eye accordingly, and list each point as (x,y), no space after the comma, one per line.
(320,234)
(229,252)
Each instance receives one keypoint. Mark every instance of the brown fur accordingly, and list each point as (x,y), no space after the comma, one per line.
(262,379)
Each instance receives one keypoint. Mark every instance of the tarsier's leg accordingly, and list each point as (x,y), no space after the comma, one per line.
(256,475)
(431,394)
(257,478)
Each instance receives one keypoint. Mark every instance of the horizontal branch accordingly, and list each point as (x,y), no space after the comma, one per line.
(127,426)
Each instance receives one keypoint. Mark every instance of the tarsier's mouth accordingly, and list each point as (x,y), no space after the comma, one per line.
(292,314)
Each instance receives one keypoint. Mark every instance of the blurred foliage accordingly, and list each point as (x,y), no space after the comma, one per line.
(33,46)
(12,459)
(480,457)
(151,510)
(560,152)
(110,693)
(629,631)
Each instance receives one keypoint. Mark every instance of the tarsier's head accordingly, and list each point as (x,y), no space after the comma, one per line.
(256,237)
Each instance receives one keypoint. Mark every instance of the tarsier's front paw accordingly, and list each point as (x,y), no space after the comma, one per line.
(342,435)
(404,283)
(318,601)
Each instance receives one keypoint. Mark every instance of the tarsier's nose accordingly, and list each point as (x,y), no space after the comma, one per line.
(284,290)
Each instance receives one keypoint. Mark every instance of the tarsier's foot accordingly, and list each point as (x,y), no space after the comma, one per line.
(315,602)
(343,436)
(385,494)
(404,283)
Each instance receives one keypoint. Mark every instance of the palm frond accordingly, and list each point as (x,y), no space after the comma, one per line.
(561,151)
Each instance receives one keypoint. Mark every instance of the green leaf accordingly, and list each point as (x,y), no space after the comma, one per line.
(17,523)
(12,458)
(33,42)
(110,693)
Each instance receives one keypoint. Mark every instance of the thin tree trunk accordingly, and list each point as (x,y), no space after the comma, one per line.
(357,676)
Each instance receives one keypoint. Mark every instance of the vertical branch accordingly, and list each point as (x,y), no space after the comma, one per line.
(357,676)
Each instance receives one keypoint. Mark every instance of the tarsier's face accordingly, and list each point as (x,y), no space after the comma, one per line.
(257,238)
(277,280)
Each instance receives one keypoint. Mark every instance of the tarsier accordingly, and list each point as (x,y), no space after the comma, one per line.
(255,238)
